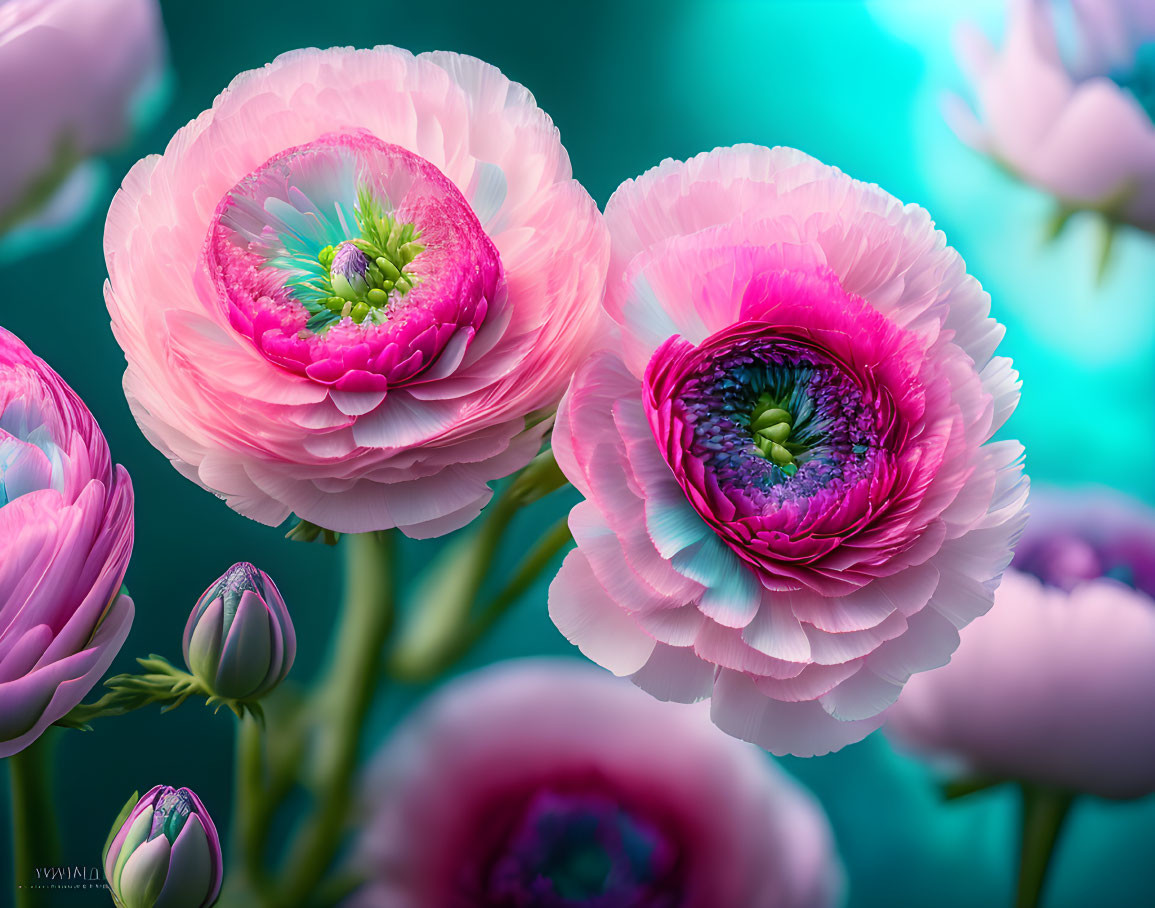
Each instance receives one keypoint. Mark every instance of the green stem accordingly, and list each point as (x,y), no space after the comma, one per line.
(528,571)
(248,798)
(35,838)
(530,568)
(342,703)
(1043,812)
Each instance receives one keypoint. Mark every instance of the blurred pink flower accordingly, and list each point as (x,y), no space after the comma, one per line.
(65,541)
(355,288)
(546,784)
(1056,684)
(73,71)
(1076,121)
(791,501)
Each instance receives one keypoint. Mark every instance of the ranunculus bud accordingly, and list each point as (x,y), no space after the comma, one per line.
(163,851)
(239,641)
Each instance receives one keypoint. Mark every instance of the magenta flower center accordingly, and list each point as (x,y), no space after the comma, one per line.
(354,262)
(798,434)
(775,420)
(582,849)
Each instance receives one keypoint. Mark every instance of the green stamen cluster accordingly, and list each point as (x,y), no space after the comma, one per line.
(390,247)
(771,424)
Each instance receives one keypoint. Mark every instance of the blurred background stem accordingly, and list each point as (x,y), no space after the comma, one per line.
(247,877)
(453,606)
(1043,813)
(539,557)
(35,838)
(339,708)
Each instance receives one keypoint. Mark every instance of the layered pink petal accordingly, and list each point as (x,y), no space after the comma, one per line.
(402,420)
(762,299)
(66,533)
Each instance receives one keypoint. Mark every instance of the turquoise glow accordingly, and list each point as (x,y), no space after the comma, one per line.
(1139,80)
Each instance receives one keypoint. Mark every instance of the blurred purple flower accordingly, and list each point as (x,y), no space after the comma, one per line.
(1056,684)
(553,784)
(165,853)
(66,535)
(1067,103)
(75,74)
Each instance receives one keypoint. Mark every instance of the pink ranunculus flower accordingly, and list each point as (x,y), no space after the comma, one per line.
(1074,120)
(554,785)
(74,73)
(792,503)
(355,288)
(1056,684)
(65,541)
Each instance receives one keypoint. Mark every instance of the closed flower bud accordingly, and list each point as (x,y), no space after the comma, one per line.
(239,641)
(164,851)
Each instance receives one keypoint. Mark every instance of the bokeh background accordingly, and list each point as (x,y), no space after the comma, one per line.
(629,83)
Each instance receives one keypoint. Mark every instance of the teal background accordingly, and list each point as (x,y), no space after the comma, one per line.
(629,84)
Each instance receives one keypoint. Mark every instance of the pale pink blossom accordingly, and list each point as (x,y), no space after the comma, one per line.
(1056,684)
(1069,107)
(549,784)
(792,500)
(354,289)
(73,73)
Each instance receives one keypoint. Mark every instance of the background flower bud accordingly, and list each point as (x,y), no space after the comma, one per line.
(239,640)
(164,851)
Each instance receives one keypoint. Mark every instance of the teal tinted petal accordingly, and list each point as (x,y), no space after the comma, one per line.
(190,869)
(204,647)
(244,658)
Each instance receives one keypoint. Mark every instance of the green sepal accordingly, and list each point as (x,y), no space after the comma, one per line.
(321,320)
(304,531)
(117,823)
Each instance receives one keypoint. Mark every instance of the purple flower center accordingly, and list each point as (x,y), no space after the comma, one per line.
(583,850)
(349,268)
(776,420)
(1076,541)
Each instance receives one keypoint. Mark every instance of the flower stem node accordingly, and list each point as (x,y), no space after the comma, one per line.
(304,531)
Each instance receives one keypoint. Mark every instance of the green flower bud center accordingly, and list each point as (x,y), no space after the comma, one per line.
(170,815)
(363,275)
(771,424)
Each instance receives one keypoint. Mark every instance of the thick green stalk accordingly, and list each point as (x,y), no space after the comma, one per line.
(537,560)
(340,708)
(35,838)
(1043,812)
(248,877)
